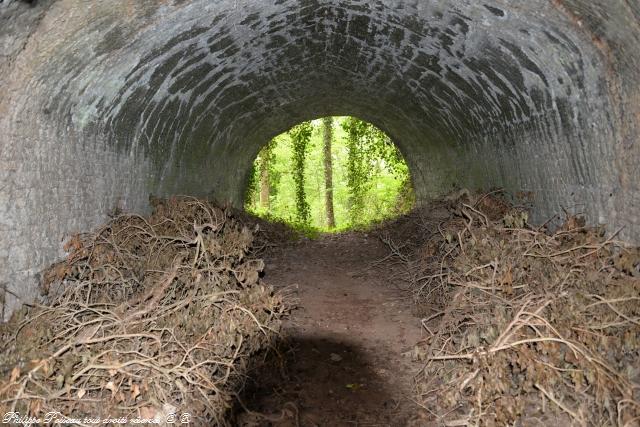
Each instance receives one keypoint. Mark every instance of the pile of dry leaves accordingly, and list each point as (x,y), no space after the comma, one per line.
(146,317)
(525,326)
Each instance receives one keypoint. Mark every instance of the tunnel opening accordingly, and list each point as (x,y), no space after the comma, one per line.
(106,103)
(331,174)
(176,98)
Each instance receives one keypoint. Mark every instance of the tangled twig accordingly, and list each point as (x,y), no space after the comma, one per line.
(145,317)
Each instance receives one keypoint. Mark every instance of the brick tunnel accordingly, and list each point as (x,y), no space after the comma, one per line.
(104,103)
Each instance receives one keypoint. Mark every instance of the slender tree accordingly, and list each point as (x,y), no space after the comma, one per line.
(328,171)
(252,187)
(300,138)
(265,184)
(357,170)
(265,188)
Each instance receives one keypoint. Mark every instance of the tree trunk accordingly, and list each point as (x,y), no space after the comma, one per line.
(328,171)
(265,187)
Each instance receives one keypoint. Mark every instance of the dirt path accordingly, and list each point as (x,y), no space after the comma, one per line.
(349,337)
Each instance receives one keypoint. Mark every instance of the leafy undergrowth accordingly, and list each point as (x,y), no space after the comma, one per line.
(525,326)
(146,317)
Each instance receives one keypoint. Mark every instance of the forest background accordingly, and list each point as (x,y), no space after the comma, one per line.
(369,181)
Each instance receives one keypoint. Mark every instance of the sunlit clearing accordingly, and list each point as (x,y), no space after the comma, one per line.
(364,179)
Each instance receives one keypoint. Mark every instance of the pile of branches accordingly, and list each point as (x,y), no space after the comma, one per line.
(147,317)
(524,326)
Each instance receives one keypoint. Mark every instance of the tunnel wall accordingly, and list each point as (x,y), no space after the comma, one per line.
(104,103)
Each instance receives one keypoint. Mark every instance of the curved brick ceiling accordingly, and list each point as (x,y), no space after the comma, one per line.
(106,102)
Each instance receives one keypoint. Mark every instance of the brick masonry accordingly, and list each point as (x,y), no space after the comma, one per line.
(104,103)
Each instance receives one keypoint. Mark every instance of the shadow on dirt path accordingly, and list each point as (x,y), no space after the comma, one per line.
(347,345)
(321,382)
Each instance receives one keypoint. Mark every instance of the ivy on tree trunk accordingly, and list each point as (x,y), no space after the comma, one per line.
(265,184)
(357,173)
(300,137)
(368,184)
(328,171)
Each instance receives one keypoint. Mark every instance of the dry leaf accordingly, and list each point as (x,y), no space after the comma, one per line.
(35,407)
(111,386)
(135,392)
(45,368)
(81,393)
(15,374)
(147,413)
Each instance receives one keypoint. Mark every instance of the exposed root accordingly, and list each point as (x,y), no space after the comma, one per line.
(523,324)
(146,317)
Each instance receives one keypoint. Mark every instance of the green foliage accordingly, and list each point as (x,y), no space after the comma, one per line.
(406,198)
(367,147)
(371,184)
(357,168)
(266,159)
(252,183)
(300,137)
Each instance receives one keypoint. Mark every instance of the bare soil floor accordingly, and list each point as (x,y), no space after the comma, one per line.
(346,358)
